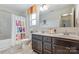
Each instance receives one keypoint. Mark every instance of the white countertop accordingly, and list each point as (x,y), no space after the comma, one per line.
(74,37)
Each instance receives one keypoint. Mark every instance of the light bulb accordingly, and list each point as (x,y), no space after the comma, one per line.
(44,7)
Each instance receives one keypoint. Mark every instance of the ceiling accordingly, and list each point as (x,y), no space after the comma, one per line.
(53,7)
(16,7)
(21,8)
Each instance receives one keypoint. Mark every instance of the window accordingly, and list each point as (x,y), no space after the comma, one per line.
(33,22)
(33,19)
(34,16)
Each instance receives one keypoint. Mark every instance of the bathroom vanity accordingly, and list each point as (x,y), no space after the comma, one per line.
(55,44)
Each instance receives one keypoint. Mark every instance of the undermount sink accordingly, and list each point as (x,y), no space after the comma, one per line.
(73,35)
(59,34)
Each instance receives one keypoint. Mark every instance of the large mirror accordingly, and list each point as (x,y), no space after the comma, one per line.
(58,15)
(68,19)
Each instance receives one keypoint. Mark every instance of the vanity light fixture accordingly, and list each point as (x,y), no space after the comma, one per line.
(64,14)
(43,7)
(70,13)
(67,14)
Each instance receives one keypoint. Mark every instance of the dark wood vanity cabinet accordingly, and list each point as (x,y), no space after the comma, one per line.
(74,48)
(37,43)
(65,46)
(61,50)
(47,45)
(59,46)
(54,45)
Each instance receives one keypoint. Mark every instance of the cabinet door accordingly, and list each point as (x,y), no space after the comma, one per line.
(74,47)
(47,46)
(47,39)
(34,44)
(74,50)
(61,49)
(37,46)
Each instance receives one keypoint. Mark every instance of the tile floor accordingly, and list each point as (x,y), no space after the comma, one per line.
(13,50)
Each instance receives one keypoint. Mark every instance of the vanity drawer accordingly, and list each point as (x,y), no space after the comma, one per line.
(74,44)
(39,37)
(62,42)
(61,49)
(47,39)
(47,46)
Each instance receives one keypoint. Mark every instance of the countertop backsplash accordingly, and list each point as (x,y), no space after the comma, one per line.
(70,30)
